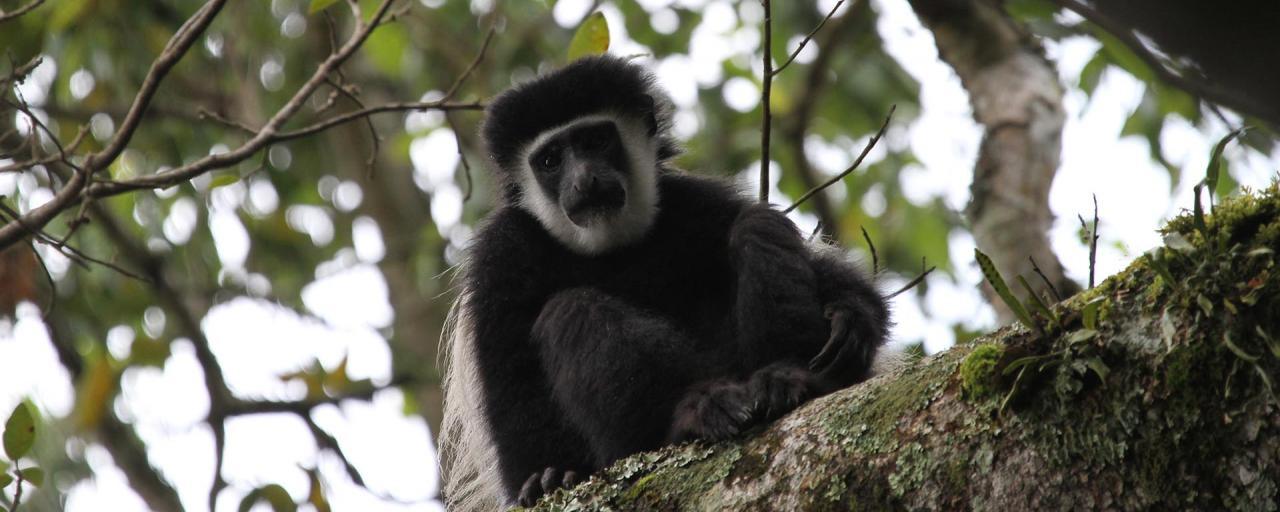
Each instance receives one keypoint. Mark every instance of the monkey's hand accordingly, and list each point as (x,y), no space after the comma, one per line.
(712,410)
(544,482)
(781,387)
(852,344)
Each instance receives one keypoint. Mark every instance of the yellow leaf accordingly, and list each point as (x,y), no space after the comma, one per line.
(96,387)
(592,38)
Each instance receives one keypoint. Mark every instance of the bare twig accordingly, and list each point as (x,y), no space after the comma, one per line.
(75,255)
(766,119)
(9,15)
(807,38)
(875,259)
(457,84)
(870,144)
(1093,239)
(204,113)
(912,284)
(326,441)
(48,277)
(1057,297)
(466,166)
(173,51)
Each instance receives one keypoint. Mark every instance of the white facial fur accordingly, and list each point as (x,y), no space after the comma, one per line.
(600,234)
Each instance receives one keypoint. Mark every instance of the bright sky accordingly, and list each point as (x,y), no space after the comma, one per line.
(256,341)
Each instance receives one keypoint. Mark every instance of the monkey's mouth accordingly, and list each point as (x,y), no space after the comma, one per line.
(600,205)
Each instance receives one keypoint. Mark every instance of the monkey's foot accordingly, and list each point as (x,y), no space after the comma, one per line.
(712,410)
(781,387)
(544,482)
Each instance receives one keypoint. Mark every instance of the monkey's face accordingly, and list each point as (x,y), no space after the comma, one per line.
(584,170)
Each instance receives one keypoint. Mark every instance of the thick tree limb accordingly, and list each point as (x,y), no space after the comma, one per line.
(1143,400)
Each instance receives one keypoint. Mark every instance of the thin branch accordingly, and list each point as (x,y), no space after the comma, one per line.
(766,120)
(48,277)
(1057,297)
(912,284)
(875,259)
(870,144)
(6,16)
(177,46)
(457,84)
(326,441)
(204,113)
(1093,239)
(75,255)
(807,38)
(466,166)
(418,106)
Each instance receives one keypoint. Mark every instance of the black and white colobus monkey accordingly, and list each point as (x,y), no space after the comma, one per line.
(612,304)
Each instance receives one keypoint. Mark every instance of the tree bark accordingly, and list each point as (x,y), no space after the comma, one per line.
(1152,392)
(1016,97)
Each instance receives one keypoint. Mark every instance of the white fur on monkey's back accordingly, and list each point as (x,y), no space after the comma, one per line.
(468,459)
(469,473)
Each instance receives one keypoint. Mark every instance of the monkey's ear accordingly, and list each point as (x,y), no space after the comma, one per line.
(650,111)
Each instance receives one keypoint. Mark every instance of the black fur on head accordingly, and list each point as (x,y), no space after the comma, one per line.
(600,84)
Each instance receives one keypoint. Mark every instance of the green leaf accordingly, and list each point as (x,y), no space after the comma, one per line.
(1092,72)
(1215,165)
(223,180)
(1098,367)
(1002,289)
(5,480)
(33,475)
(1090,313)
(1239,352)
(19,432)
(320,5)
(592,37)
(1081,336)
(273,494)
(1037,303)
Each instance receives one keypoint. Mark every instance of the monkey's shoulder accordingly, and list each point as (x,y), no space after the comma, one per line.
(700,204)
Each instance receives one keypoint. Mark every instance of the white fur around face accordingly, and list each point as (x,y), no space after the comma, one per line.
(601,234)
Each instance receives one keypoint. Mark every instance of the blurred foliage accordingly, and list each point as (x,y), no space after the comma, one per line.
(298,202)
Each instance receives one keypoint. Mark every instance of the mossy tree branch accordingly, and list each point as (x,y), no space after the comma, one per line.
(1154,392)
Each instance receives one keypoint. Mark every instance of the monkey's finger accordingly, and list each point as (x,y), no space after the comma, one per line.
(839,331)
(571,479)
(551,479)
(531,490)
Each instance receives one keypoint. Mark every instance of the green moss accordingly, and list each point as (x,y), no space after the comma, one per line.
(978,371)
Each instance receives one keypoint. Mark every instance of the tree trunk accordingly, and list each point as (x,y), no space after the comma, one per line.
(1152,392)
(1016,97)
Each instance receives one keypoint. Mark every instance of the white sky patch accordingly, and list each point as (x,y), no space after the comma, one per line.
(675,75)
(81,83)
(434,157)
(446,207)
(181,221)
(741,94)
(366,237)
(393,452)
(229,237)
(312,220)
(664,21)
(29,366)
(107,489)
(568,13)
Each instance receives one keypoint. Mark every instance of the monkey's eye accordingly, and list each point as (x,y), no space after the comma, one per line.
(549,160)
